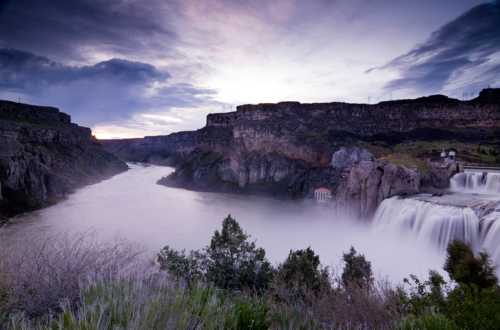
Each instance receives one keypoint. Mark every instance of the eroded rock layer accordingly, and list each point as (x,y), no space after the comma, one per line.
(287,148)
(43,156)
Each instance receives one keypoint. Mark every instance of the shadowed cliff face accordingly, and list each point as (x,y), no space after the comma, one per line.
(286,148)
(44,156)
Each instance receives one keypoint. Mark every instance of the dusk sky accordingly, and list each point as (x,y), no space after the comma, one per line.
(130,68)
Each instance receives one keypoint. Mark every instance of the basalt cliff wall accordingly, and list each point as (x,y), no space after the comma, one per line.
(286,148)
(43,156)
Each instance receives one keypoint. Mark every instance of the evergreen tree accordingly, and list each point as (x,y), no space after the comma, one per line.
(234,262)
(301,272)
(357,270)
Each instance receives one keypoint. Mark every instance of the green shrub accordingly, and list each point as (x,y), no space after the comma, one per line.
(230,262)
(465,268)
(248,314)
(182,266)
(474,308)
(427,322)
(301,277)
(424,297)
(472,302)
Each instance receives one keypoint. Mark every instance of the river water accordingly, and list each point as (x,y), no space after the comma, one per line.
(132,206)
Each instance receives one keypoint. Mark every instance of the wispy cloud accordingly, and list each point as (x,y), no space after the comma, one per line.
(83,30)
(461,56)
(107,91)
(113,63)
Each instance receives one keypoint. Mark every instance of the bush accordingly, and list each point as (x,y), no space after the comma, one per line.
(230,262)
(426,297)
(474,308)
(183,267)
(465,268)
(248,314)
(301,277)
(472,302)
(427,322)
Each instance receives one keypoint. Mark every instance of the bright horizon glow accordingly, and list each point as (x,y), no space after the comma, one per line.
(160,67)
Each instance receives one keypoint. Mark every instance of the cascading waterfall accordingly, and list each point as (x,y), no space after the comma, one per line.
(476,182)
(491,235)
(428,219)
(437,223)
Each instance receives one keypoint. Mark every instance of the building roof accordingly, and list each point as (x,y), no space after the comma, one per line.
(322,189)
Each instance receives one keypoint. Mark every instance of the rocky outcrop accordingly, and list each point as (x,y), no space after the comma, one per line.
(44,156)
(269,173)
(287,148)
(439,173)
(169,149)
(368,183)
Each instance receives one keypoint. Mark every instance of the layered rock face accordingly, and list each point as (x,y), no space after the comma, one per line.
(44,156)
(286,148)
(367,183)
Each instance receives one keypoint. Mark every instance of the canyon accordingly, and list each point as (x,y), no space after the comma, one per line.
(286,149)
(44,156)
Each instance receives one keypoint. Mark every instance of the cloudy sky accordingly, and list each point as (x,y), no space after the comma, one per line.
(145,67)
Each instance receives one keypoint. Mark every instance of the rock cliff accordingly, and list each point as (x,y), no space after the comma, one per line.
(44,156)
(287,148)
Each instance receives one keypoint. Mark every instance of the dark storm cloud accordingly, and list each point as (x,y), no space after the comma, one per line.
(63,29)
(107,91)
(468,42)
(27,72)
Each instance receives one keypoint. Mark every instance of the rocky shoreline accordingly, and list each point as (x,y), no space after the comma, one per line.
(44,157)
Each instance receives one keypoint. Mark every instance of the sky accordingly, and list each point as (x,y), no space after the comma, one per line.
(130,68)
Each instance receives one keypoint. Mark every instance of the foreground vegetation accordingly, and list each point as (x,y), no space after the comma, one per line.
(231,285)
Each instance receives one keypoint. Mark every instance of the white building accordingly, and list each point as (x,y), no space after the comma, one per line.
(450,155)
(322,194)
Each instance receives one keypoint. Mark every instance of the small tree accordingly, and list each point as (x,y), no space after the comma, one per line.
(231,261)
(302,267)
(357,270)
(301,277)
(234,262)
(465,268)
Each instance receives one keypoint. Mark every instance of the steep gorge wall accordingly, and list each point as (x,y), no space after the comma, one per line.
(44,156)
(286,148)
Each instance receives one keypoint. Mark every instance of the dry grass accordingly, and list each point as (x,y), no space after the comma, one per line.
(39,273)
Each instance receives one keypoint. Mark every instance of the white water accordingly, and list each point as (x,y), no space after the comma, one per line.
(432,223)
(430,220)
(491,236)
(132,206)
(476,182)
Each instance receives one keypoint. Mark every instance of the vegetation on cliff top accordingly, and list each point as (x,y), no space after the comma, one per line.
(231,285)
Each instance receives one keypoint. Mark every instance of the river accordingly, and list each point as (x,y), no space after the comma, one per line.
(132,206)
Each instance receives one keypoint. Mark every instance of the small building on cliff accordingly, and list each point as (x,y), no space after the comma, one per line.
(449,155)
(322,194)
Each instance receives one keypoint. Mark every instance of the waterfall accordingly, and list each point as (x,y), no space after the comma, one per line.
(476,182)
(438,224)
(441,224)
(491,236)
